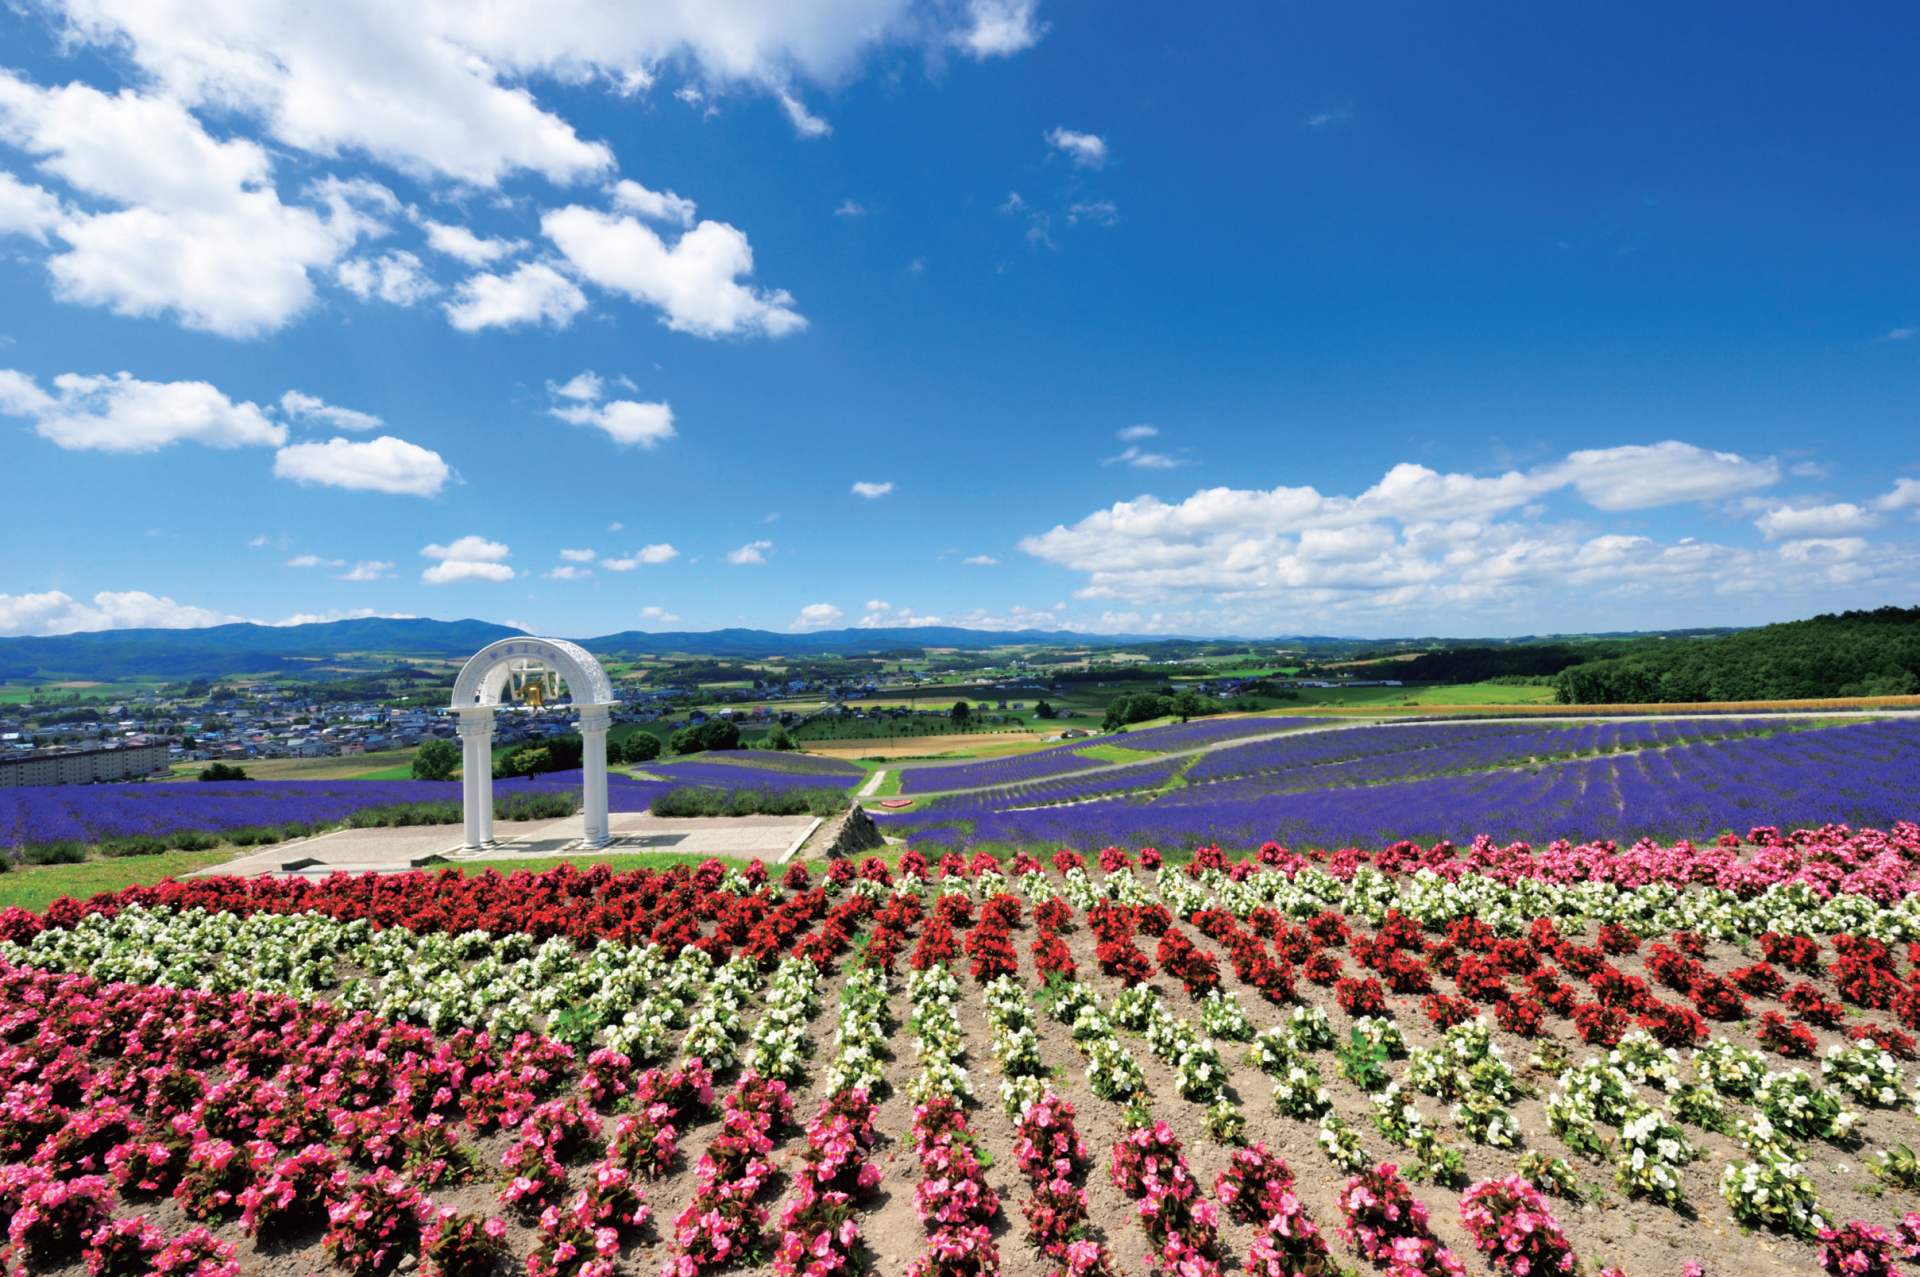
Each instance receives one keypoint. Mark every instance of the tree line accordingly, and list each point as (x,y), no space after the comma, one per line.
(1868,653)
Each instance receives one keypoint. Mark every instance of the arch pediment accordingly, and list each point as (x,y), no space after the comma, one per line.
(484,677)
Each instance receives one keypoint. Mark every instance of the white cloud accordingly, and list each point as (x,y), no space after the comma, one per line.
(616,526)
(1141,459)
(655,206)
(314,561)
(470,546)
(368,570)
(535,293)
(256,543)
(582,387)
(658,615)
(645,556)
(471,558)
(1788,523)
(461,243)
(26,209)
(397,278)
(805,123)
(55,612)
(980,561)
(815,616)
(624,420)
(338,614)
(385,464)
(1901,334)
(1000,28)
(1088,150)
(1904,496)
(418,88)
(695,283)
(577,556)
(200,231)
(1824,549)
(1133,434)
(1098,212)
(446,89)
(1639,476)
(568,572)
(751,552)
(878,605)
(870,490)
(305,407)
(121,413)
(850,208)
(1416,540)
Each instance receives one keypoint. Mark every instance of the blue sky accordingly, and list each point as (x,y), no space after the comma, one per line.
(1247,319)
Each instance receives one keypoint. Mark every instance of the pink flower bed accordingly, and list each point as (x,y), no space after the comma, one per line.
(953,1200)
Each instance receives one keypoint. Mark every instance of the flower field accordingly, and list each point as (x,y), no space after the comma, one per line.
(1060,760)
(1369,786)
(272,808)
(1422,1060)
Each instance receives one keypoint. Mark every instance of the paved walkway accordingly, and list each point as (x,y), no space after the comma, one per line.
(770,838)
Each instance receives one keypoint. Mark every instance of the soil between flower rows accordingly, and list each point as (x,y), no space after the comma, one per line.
(1640,1237)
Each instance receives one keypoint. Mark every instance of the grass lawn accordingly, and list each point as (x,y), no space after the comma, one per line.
(1116,754)
(383,764)
(37,886)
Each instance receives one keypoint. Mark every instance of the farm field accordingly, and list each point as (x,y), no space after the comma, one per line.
(1370,784)
(389,764)
(1309,1062)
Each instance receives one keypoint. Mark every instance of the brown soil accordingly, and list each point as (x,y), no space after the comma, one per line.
(1645,1240)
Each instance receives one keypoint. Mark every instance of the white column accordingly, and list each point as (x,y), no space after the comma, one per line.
(594,721)
(486,784)
(476,773)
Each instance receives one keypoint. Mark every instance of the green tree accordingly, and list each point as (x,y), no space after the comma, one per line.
(1043,710)
(961,712)
(435,759)
(715,733)
(223,771)
(780,738)
(641,747)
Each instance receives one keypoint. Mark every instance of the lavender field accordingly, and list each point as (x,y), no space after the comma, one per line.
(96,813)
(1867,773)
(1060,760)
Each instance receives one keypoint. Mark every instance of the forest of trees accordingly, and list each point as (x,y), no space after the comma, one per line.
(1873,653)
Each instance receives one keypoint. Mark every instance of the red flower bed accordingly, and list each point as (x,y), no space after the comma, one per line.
(1792,1040)
(1360,997)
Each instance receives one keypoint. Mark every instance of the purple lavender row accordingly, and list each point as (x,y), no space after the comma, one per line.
(1414,752)
(1203,731)
(1861,774)
(1070,757)
(1063,789)
(89,813)
(1472,744)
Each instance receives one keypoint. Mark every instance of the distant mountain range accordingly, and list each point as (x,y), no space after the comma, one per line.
(223,650)
(235,649)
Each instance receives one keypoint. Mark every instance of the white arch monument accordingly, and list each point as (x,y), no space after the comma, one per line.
(477,694)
